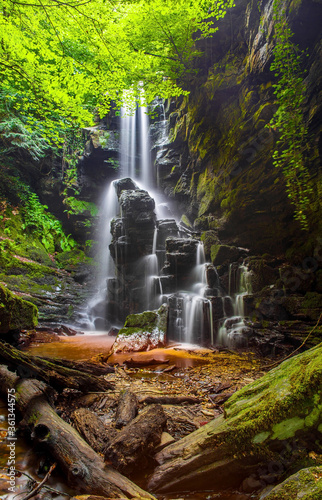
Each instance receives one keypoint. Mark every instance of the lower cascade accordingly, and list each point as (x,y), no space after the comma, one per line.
(157,261)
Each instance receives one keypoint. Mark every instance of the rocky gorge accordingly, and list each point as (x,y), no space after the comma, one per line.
(204,249)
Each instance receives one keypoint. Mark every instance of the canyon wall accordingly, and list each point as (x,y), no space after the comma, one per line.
(218,165)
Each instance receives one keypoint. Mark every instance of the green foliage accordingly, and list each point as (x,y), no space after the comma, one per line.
(288,119)
(61,61)
(45,225)
(114,163)
(15,132)
(72,149)
(76,206)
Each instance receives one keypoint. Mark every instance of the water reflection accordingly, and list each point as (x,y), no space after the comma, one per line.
(74,348)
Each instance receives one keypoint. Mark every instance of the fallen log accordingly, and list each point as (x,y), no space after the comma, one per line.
(135,443)
(127,409)
(93,368)
(84,469)
(92,429)
(139,363)
(262,423)
(169,400)
(56,373)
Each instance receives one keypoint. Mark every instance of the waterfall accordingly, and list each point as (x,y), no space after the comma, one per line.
(146,168)
(233,331)
(134,276)
(128,142)
(109,210)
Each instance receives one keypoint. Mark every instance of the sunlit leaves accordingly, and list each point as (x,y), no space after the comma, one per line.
(60,61)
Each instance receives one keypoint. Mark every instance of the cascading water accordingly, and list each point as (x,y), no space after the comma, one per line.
(140,228)
(234,332)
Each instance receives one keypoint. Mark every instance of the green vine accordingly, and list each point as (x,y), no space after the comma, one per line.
(289,90)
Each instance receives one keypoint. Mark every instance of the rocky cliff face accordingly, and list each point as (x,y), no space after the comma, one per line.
(218,164)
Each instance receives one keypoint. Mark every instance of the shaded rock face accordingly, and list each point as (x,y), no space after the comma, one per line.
(218,164)
(99,162)
(180,260)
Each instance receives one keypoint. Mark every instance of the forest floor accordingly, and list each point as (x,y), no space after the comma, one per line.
(205,377)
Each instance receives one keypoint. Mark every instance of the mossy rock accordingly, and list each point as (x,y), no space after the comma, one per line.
(309,306)
(221,254)
(209,239)
(16,313)
(185,221)
(146,320)
(304,485)
(143,331)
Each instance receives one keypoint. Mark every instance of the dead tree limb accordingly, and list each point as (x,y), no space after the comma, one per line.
(134,444)
(55,373)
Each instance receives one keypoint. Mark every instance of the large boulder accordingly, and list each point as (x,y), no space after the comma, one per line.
(143,332)
(15,312)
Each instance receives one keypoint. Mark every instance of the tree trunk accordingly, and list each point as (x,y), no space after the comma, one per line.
(83,467)
(200,460)
(134,444)
(56,373)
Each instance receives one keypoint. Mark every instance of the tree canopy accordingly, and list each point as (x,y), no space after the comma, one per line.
(61,60)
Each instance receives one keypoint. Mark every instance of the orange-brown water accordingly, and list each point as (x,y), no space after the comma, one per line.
(89,345)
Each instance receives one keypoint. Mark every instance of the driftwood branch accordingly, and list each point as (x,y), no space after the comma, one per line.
(39,485)
(169,400)
(127,409)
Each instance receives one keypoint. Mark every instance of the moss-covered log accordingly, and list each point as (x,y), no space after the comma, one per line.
(261,423)
(57,373)
(83,467)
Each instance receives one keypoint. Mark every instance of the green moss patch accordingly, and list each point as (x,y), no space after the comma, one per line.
(304,485)
(16,313)
(145,320)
